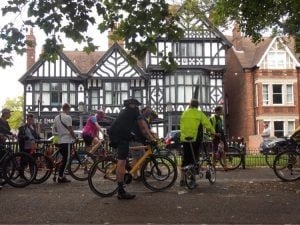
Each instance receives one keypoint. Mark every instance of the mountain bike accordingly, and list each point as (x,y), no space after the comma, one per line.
(286,164)
(199,168)
(16,169)
(158,172)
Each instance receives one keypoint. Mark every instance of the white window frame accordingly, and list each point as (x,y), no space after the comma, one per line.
(267,98)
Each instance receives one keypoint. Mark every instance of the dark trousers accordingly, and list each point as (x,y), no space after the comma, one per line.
(65,151)
(217,141)
(188,154)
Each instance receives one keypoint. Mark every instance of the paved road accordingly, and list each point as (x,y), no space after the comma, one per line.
(250,196)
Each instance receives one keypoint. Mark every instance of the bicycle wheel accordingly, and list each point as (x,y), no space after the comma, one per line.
(159,173)
(232,159)
(190,179)
(102,177)
(210,173)
(287,165)
(44,168)
(19,170)
(270,157)
(80,164)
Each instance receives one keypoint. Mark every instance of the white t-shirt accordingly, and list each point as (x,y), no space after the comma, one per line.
(64,135)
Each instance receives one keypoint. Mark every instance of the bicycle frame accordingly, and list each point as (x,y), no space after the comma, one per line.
(147,153)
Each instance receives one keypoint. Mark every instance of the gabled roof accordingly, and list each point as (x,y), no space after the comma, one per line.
(250,54)
(123,58)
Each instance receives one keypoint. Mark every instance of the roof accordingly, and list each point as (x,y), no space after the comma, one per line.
(82,60)
(250,54)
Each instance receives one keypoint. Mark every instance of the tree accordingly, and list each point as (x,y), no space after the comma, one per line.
(256,16)
(140,22)
(16,106)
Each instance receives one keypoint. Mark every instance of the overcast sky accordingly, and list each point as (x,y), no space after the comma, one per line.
(10,87)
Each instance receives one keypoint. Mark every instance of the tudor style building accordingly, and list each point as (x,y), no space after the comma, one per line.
(261,85)
(105,79)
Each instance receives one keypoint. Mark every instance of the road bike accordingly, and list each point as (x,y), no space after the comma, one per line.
(201,167)
(16,169)
(286,164)
(158,172)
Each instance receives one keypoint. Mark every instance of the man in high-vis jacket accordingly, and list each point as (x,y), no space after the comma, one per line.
(190,121)
(217,123)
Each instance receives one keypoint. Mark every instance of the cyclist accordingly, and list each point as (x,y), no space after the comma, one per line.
(190,121)
(4,126)
(28,134)
(90,133)
(217,123)
(119,135)
(63,127)
(147,114)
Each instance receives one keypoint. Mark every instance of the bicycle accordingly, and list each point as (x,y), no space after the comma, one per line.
(48,160)
(16,169)
(158,172)
(229,160)
(286,164)
(195,169)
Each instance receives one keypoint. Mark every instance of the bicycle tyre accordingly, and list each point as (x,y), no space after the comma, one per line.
(190,179)
(210,173)
(44,168)
(19,170)
(233,158)
(80,164)
(159,173)
(102,177)
(286,165)
(269,158)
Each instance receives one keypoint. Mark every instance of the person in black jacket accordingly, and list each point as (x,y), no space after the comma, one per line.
(4,126)
(28,134)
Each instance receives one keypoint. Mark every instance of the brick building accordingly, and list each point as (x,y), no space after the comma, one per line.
(261,84)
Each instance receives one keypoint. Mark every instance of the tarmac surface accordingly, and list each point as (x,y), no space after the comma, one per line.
(243,196)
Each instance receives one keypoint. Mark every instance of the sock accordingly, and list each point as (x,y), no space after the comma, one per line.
(121,187)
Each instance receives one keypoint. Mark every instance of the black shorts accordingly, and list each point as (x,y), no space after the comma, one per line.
(123,149)
(88,139)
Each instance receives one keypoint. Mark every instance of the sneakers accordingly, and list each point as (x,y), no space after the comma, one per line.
(138,178)
(125,195)
(63,180)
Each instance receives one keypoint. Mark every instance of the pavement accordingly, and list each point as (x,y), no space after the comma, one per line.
(243,196)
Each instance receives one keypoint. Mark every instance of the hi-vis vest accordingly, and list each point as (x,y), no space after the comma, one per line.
(190,121)
(214,121)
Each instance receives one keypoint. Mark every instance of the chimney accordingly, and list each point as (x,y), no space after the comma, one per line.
(111,42)
(30,50)
(237,37)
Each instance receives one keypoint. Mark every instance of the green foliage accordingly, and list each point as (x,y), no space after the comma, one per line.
(141,22)
(16,106)
(256,16)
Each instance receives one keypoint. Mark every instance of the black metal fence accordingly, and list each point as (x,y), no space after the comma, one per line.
(250,157)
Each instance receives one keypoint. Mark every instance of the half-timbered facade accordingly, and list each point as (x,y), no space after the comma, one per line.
(105,79)
(201,59)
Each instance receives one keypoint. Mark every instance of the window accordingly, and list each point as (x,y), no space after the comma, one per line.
(266,94)
(277,94)
(116,93)
(291,127)
(278,128)
(289,94)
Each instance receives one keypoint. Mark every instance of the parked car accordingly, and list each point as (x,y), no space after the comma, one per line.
(172,140)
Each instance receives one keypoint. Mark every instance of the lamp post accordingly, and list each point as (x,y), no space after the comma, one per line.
(81,110)
(169,110)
